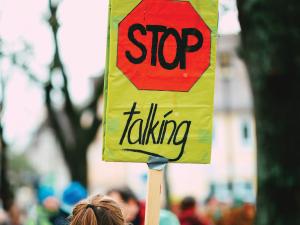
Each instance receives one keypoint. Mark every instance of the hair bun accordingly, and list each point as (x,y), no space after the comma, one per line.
(90,206)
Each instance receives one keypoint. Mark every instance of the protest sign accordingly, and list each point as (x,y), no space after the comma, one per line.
(159,86)
(160,80)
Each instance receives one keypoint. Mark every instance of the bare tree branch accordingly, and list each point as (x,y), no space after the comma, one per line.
(74,140)
(57,62)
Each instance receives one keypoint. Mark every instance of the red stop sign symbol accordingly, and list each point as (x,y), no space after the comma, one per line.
(163,45)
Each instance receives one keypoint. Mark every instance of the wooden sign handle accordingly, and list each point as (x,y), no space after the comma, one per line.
(155,178)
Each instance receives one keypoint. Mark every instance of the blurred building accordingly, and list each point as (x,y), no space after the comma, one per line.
(234,140)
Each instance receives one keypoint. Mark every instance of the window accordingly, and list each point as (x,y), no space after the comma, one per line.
(246,133)
(225,59)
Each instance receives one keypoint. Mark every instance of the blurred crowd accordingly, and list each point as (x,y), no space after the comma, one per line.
(52,210)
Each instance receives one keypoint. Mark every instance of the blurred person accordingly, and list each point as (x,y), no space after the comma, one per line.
(3,215)
(14,214)
(134,210)
(188,214)
(241,214)
(213,209)
(167,218)
(72,194)
(97,210)
(47,207)
(3,218)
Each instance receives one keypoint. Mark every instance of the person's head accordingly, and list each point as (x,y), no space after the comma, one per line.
(97,210)
(44,192)
(188,202)
(127,200)
(46,198)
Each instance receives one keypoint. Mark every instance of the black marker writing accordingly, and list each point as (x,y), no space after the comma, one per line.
(154,131)
(157,47)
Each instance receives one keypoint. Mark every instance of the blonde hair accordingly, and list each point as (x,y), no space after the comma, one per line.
(97,210)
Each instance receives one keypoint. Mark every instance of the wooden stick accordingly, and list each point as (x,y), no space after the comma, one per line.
(153,200)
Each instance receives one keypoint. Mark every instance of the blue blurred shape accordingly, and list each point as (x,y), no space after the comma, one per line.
(44,192)
(72,195)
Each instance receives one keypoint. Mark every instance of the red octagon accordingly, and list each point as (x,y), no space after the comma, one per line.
(163,45)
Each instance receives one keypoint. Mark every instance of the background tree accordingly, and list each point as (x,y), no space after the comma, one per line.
(270,47)
(5,190)
(6,54)
(73,136)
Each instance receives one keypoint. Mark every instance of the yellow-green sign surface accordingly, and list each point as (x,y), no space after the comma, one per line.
(159,81)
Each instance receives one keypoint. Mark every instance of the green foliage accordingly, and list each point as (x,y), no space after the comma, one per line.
(20,170)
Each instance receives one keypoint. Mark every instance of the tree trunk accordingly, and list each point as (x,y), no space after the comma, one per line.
(73,139)
(270,47)
(278,121)
(78,166)
(5,190)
